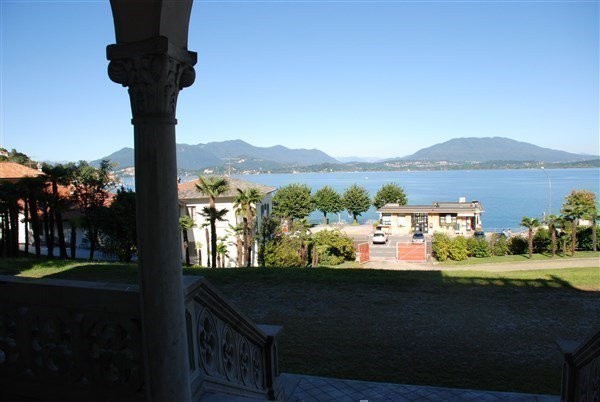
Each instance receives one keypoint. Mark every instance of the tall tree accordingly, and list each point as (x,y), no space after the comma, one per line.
(34,188)
(266,233)
(245,206)
(530,224)
(593,216)
(186,223)
(356,201)
(213,187)
(390,193)
(90,194)
(553,222)
(293,202)
(327,200)
(62,175)
(578,204)
(9,212)
(118,228)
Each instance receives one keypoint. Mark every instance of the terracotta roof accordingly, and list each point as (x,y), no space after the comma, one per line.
(15,171)
(188,190)
(435,208)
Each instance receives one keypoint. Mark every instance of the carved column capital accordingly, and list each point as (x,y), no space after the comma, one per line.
(154,73)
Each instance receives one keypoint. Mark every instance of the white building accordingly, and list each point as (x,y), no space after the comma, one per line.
(460,217)
(192,201)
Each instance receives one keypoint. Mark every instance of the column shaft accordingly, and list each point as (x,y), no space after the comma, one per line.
(160,273)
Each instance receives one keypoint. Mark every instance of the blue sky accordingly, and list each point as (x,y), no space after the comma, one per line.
(367,78)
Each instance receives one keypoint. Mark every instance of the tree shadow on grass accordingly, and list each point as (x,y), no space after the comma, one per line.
(552,282)
(127,273)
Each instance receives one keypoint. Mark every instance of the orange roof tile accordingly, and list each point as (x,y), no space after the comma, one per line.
(15,171)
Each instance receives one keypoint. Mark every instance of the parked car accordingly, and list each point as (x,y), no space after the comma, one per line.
(379,237)
(479,235)
(418,238)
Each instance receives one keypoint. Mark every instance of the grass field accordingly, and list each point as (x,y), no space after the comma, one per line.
(466,329)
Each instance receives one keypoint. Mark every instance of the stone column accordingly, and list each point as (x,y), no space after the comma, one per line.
(155,71)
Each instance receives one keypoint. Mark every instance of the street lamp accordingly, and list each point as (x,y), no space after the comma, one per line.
(549,191)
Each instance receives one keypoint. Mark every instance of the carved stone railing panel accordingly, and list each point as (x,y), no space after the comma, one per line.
(581,370)
(71,341)
(230,353)
(64,340)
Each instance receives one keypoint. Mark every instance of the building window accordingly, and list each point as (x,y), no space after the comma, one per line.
(419,222)
(448,220)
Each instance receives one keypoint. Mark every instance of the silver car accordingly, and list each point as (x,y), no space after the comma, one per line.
(379,237)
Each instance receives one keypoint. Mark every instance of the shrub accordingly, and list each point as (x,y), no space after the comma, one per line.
(283,252)
(584,238)
(542,242)
(458,248)
(518,245)
(440,246)
(498,245)
(481,248)
(333,247)
(471,246)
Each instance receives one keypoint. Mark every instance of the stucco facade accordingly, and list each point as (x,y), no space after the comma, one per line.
(460,217)
(192,202)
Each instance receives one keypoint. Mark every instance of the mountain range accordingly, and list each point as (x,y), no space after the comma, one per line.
(239,156)
(201,156)
(491,149)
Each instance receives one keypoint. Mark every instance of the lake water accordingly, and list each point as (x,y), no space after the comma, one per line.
(506,195)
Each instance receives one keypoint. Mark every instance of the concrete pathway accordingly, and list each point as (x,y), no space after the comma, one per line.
(529,265)
(495,267)
(304,388)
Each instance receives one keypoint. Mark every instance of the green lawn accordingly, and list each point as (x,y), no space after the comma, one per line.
(521,258)
(467,329)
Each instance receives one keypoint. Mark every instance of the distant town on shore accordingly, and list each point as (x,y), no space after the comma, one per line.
(239,157)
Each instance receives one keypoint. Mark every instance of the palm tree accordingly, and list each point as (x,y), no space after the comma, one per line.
(553,222)
(530,223)
(198,245)
(237,231)
(245,206)
(213,187)
(222,251)
(186,223)
(578,204)
(207,245)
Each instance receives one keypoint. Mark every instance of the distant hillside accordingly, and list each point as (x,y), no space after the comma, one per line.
(491,149)
(200,156)
(191,157)
(122,158)
(367,159)
(277,153)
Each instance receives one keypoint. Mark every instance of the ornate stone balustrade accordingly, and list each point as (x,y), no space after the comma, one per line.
(228,353)
(581,370)
(70,340)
